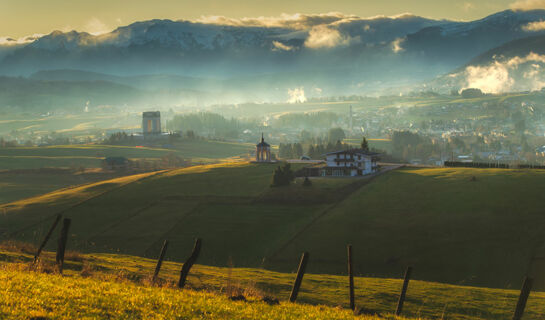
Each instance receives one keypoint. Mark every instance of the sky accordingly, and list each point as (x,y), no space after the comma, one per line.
(21,18)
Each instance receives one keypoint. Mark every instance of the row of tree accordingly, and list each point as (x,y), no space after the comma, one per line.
(7,144)
(209,124)
(314,151)
(307,120)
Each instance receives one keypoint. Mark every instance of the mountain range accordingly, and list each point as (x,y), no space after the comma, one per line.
(230,60)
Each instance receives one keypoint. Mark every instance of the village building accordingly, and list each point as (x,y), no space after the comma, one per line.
(263,151)
(116,163)
(151,124)
(353,162)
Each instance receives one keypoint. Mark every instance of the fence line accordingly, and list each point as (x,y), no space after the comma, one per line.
(186,267)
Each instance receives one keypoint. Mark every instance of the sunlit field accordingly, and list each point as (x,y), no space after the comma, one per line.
(448,225)
(119,286)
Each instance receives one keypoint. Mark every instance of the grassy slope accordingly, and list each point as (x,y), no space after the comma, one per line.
(16,184)
(91,155)
(208,201)
(437,220)
(448,228)
(424,300)
(55,297)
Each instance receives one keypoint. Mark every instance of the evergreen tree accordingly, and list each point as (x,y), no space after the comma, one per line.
(338,145)
(283,176)
(364,145)
(297,150)
(311,151)
(281,150)
(335,134)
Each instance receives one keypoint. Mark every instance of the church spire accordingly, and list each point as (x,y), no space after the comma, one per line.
(262,139)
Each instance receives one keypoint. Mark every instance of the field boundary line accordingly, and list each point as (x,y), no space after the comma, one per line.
(77,204)
(358,185)
(174,227)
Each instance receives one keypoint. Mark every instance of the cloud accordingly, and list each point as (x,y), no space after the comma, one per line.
(527,4)
(296,95)
(327,37)
(294,21)
(96,27)
(491,79)
(396,45)
(279,46)
(534,26)
(297,21)
(7,41)
(514,74)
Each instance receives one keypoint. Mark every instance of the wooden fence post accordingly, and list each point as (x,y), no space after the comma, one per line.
(160,261)
(47,236)
(299,277)
(524,293)
(403,290)
(189,263)
(62,244)
(351,278)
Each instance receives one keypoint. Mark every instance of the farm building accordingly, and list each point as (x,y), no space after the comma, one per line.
(116,163)
(353,162)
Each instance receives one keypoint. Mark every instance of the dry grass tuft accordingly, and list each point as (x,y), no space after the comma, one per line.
(44,266)
(73,256)
(87,269)
(18,246)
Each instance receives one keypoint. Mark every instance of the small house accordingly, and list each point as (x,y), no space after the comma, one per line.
(353,162)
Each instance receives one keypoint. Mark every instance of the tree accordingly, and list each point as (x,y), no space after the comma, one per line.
(306,136)
(190,134)
(338,145)
(281,150)
(311,151)
(283,176)
(364,145)
(472,93)
(335,134)
(297,150)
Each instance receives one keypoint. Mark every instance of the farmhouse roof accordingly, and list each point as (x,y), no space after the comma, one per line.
(355,151)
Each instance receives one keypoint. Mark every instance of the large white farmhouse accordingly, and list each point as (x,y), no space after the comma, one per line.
(353,162)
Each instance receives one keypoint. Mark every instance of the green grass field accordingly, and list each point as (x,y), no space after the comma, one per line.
(117,286)
(90,156)
(448,227)
(20,184)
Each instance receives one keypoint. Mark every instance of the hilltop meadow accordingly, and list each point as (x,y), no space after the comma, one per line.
(119,286)
(455,225)
(31,171)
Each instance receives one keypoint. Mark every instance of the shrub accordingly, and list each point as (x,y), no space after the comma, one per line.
(283,176)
